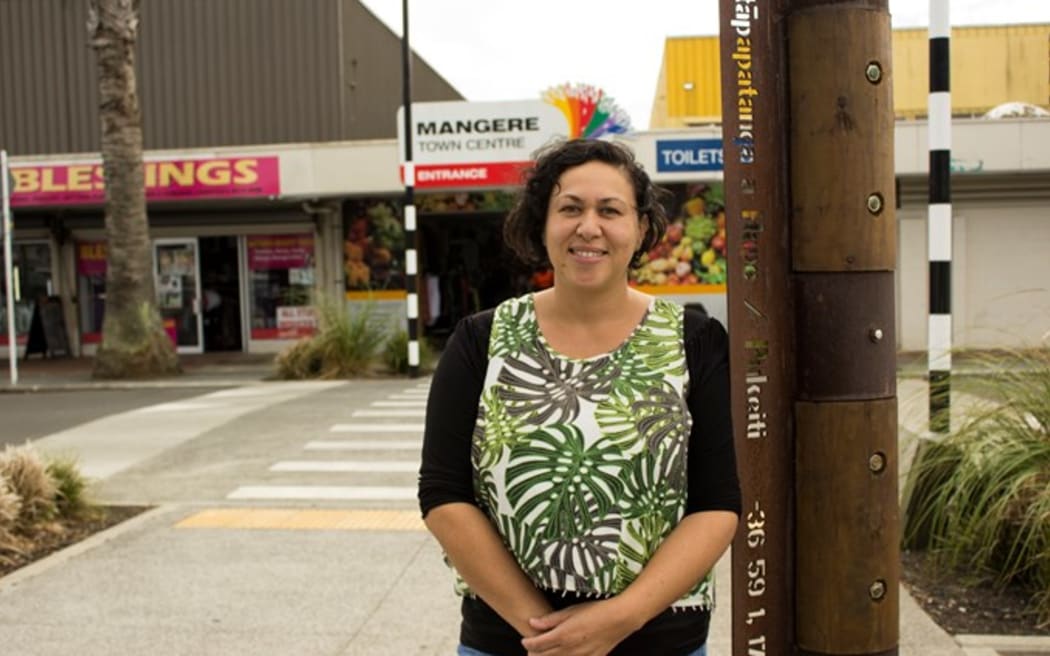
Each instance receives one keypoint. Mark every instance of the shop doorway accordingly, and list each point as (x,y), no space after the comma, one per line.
(465,268)
(177,283)
(220,294)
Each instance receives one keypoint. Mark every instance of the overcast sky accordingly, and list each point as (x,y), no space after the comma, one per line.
(502,50)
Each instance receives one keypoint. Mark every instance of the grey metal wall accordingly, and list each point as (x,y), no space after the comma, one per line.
(46,77)
(372,62)
(211,73)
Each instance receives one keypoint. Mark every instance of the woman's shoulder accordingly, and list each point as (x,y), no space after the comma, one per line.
(478,326)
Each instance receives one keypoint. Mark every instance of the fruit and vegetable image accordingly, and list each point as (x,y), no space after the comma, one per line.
(461,202)
(374,247)
(693,249)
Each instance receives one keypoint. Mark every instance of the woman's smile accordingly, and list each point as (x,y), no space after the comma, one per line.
(593,229)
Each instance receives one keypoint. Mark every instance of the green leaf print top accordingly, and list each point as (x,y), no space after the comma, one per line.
(581,463)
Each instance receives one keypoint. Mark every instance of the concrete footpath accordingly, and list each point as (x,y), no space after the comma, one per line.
(228,579)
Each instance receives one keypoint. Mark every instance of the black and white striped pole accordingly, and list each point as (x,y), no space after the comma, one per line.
(411,259)
(939,238)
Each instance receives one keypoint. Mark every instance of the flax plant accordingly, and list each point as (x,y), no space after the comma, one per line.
(979,499)
(346,344)
(395,354)
(71,499)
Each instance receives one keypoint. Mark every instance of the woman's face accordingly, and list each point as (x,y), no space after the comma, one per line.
(593,228)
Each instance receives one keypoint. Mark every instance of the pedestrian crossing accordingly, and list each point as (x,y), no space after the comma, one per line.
(378,428)
(363,445)
(376,445)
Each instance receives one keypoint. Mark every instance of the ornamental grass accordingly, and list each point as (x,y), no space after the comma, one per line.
(71,499)
(26,475)
(346,344)
(395,354)
(978,500)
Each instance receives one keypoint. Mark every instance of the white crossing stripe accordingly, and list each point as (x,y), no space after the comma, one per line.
(178,406)
(391,412)
(399,404)
(363,445)
(323,492)
(376,428)
(345,466)
(415,396)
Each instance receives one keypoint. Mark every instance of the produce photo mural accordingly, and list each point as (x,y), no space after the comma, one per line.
(465,202)
(374,248)
(693,250)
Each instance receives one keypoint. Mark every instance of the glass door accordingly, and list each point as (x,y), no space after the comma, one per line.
(177,279)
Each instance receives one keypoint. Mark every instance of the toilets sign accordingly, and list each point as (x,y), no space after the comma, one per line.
(680,155)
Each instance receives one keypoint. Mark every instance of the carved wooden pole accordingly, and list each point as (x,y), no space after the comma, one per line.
(843,242)
(819,576)
(754,133)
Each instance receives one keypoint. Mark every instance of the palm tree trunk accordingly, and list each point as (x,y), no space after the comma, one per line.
(134,343)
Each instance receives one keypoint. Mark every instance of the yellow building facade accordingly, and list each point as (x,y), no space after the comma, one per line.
(989,66)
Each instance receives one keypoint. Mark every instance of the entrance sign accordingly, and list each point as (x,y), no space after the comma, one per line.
(459,144)
(477,144)
(81,183)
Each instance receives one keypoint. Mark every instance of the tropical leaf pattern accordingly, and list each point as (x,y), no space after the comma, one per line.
(634,375)
(584,563)
(513,329)
(561,482)
(581,464)
(522,539)
(544,389)
(496,429)
(663,422)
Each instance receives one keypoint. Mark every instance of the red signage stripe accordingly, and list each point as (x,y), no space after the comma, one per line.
(476,175)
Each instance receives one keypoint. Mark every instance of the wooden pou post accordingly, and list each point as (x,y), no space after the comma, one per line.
(820,183)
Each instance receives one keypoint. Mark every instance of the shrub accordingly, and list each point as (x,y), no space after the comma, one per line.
(979,499)
(10,507)
(27,476)
(395,354)
(346,344)
(71,499)
(300,360)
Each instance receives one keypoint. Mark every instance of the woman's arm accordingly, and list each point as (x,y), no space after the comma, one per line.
(477,552)
(446,492)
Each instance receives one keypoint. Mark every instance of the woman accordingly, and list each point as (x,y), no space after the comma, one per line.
(578,465)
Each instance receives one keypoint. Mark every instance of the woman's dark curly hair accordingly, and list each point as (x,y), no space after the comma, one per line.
(523,228)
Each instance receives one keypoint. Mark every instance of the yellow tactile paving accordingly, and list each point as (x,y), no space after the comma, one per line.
(305,520)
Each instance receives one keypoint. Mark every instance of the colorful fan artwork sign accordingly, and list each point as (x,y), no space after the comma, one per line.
(589,112)
(458,145)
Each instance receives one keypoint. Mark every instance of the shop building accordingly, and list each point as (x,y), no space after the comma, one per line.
(1000,173)
(243,233)
(246,233)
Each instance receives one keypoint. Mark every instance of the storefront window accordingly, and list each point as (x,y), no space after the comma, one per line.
(282,279)
(692,252)
(374,248)
(31,279)
(91,289)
